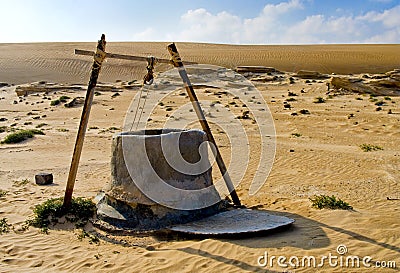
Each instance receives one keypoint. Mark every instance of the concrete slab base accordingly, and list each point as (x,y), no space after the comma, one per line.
(234,222)
(115,215)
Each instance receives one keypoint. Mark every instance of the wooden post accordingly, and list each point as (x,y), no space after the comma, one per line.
(177,62)
(98,60)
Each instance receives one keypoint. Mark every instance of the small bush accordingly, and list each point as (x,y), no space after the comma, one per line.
(55,102)
(92,239)
(370,147)
(4,226)
(41,125)
(64,98)
(3,129)
(380,103)
(3,193)
(21,136)
(304,112)
(245,115)
(319,100)
(329,202)
(59,100)
(62,130)
(22,182)
(50,211)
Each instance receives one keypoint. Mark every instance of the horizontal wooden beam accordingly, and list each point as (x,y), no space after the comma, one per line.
(125,57)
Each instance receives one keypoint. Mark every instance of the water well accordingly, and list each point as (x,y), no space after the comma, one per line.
(159,178)
(162,178)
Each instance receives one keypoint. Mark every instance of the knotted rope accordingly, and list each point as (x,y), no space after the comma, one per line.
(99,56)
(149,77)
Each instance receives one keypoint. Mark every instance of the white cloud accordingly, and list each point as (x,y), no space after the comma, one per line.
(274,25)
(201,25)
(146,35)
(389,18)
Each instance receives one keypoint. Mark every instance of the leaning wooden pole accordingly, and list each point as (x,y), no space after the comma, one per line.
(177,62)
(98,60)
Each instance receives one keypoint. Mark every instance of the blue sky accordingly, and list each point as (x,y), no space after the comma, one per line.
(233,21)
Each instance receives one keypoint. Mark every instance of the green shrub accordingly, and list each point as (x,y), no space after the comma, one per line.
(21,136)
(329,202)
(64,98)
(59,100)
(22,182)
(55,102)
(4,226)
(62,130)
(50,211)
(3,193)
(370,147)
(92,238)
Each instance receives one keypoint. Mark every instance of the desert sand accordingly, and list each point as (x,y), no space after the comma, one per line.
(316,153)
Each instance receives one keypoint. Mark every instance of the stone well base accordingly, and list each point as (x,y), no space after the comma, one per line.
(132,203)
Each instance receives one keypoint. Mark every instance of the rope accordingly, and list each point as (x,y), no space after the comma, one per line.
(175,58)
(149,77)
(147,80)
(141,112)
(137,109)
(99,56)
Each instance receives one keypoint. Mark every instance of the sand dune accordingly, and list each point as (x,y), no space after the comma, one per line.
(56,62)
(317,153)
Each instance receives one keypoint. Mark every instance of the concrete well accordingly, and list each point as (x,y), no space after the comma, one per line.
(159,178)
